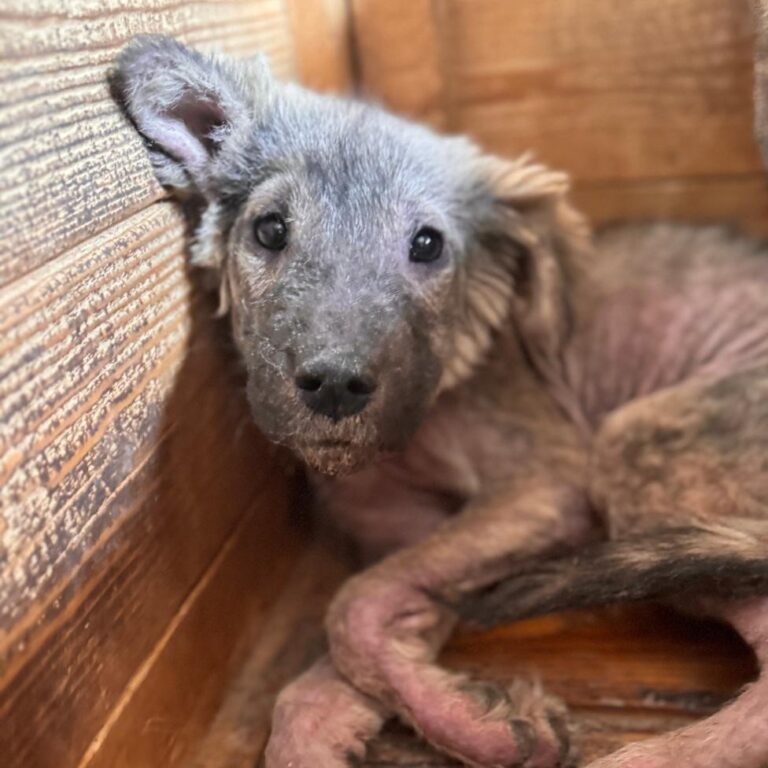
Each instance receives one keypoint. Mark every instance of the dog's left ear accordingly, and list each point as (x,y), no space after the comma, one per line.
(526,243)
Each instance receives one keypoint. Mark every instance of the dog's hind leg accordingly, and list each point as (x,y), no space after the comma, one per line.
(682,479)
(734,737)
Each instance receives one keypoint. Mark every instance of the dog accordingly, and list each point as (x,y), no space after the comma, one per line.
(507,414)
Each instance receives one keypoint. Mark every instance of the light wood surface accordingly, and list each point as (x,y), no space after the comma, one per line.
(322,42)
(70,166)
(655,93)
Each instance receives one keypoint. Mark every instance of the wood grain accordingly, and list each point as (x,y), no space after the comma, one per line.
(291,638)
(740,201)
(127,458)
(399,57)
(166,710)
(322,40)
(651,91)
(70,166)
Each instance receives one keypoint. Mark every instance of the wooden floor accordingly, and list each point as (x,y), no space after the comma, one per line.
(626,673)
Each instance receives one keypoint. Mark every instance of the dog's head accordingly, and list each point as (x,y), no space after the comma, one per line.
(366,262)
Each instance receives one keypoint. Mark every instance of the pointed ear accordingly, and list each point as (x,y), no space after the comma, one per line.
(186,104)
(528,243)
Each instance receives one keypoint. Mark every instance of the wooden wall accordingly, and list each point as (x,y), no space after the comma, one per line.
(647,103)
(143,523)
(144,526)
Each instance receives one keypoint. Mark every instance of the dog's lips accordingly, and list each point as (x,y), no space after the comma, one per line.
(330,443)
(332,457)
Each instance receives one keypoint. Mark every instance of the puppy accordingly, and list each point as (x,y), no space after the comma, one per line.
(506,416)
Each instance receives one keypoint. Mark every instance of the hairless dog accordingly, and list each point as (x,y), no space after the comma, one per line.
(508,415)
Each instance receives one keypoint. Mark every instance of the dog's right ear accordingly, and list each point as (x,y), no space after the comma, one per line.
(188,105)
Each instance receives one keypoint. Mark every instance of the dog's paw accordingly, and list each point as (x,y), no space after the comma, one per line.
(549,717)
(484,724)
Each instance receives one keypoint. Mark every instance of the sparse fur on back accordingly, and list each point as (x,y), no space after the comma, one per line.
(506,417)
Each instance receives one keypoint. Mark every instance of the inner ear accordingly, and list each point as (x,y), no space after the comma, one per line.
(187,105)
(203,117)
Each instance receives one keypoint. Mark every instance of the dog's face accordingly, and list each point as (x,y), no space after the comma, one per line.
(366,261)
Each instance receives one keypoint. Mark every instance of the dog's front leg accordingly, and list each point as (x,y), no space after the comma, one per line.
(387,625)
(321,721)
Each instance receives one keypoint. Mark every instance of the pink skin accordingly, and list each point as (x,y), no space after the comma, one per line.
(734,737)
(322,721)
(385,634)
(385,631)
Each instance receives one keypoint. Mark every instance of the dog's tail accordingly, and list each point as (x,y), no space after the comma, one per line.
(710,560)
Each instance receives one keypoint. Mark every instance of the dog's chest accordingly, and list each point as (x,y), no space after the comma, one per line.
(648,337)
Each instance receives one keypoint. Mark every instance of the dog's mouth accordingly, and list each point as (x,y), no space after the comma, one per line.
(330,443)
(333,456)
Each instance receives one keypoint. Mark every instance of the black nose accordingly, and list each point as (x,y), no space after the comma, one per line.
(334,392)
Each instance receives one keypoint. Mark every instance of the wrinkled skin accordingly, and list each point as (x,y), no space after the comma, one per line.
(536,396)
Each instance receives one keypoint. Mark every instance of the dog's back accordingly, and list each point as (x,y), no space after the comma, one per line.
(664,303)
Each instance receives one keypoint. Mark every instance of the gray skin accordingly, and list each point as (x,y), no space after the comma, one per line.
(528,394)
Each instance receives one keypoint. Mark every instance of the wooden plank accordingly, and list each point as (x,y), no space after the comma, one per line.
(399,58)
(322,41)
(165,711)
(70,165)
(126,458)
(626,658)
(655,89)
(740,201)
(290,639)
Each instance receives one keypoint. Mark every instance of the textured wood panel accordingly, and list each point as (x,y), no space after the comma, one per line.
(322,40)
(166,710)
(127,458)
(399,57)
(69,165)
(644,90)
(733,200)
(143,521)
(291,638)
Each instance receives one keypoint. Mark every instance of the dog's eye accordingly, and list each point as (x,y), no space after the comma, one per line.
(426,246)
(271,231)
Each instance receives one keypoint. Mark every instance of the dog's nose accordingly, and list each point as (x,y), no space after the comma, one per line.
(334,392)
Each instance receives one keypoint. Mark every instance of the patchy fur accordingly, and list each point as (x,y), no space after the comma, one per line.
(553,422)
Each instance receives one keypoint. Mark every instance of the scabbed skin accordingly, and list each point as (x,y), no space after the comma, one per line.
(555,421)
